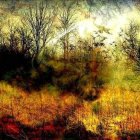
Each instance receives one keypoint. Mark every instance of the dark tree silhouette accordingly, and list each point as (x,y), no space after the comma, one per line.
(26,41)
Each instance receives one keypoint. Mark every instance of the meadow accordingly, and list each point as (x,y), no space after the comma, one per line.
(66,74)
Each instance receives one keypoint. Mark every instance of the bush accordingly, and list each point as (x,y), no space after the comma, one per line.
(13,60)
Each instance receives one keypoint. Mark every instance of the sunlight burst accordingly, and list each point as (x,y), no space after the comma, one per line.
(85,27)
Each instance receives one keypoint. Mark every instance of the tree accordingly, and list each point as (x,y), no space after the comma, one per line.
(26,41)
(88,46)
(39,22)
(67,21)
(131,43)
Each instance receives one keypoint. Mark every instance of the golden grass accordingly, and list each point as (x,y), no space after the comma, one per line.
(117,110)
(35,107)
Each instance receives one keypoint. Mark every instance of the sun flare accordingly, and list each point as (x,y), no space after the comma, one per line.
(86,27)
(90,25)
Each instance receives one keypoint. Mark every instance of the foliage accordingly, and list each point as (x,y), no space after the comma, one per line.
(69,89)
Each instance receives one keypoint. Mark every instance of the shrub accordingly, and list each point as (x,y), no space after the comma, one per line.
(12,60)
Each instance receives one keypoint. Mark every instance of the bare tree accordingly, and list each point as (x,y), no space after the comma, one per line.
(26,41)
(40,21)
(67,21)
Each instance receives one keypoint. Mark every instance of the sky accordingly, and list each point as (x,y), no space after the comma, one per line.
(114,15)
(111,14)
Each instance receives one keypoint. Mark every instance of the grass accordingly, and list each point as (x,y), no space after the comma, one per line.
(28,107)
(114,114)
(117,110)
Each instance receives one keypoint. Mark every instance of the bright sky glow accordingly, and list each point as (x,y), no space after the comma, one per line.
(87,26)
